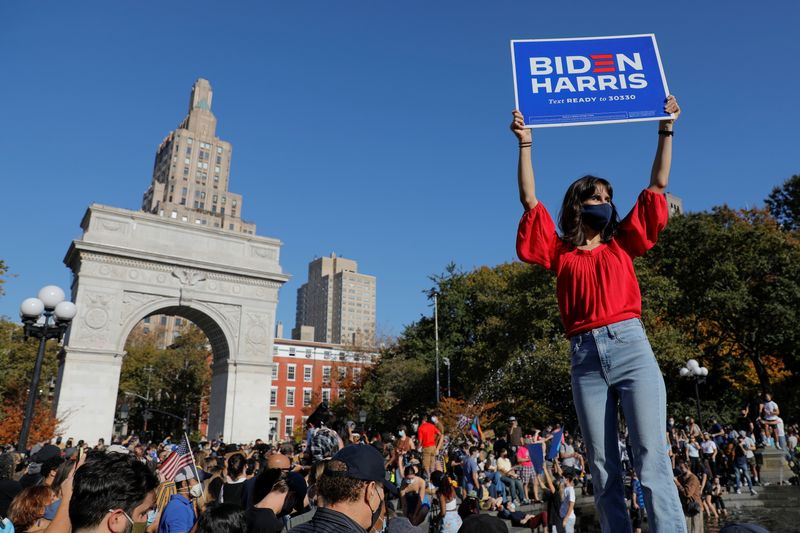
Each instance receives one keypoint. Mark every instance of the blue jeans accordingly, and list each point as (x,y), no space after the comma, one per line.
(496,488)
(614,365)
(741,468)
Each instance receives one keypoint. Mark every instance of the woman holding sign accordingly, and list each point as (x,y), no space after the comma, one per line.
(600,305)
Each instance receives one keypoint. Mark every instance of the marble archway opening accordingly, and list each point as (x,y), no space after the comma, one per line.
(166,374)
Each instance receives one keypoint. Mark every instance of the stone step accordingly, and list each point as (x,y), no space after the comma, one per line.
(775,468)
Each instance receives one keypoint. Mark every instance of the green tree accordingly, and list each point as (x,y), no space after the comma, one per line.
(738,277)
(784,204)
(500,329)
(17,359)
(178,384)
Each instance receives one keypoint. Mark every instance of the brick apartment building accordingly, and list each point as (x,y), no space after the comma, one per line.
(305,373)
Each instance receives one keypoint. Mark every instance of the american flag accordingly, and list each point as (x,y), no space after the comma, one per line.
(180,458)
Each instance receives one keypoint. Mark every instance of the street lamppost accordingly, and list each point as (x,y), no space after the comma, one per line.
(698,373)
(46,317)
(446,361)
(436,333)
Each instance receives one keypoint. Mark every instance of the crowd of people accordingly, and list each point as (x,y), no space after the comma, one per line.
(417,478)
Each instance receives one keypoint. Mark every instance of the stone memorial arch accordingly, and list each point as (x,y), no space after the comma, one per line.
(129,265)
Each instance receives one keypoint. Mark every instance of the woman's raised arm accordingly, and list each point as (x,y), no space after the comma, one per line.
(659,176)
(527,187)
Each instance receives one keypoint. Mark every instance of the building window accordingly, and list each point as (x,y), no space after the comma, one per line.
(146,320)
(275,370)
(342,373)
(326,395)
(306,397)
(292,349)
(356,374)
(326,374)
(307,373)
(288,429)
(219,149)
(326,355)
(273,396)
(289,396)
(174,214)
(309,352)
(189,140)
(290,372)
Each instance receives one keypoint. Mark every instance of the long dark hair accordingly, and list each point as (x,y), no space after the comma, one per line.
(569,219)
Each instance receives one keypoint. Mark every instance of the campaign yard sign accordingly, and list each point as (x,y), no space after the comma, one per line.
(591,80)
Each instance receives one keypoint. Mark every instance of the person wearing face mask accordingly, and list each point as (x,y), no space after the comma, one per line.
(600,303)
(178,515)
(353,489)
(403,445)
(110,494)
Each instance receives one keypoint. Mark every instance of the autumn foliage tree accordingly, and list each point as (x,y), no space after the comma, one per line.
(17,359)
(43,428)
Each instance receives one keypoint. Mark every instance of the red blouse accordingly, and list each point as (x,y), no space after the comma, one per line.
(594,287)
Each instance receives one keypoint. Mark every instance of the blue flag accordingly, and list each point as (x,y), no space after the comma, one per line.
(558,436)
(537,457)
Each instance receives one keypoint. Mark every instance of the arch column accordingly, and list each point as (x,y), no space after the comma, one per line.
(239,400)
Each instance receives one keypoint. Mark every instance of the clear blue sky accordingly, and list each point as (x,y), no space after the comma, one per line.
(374,129)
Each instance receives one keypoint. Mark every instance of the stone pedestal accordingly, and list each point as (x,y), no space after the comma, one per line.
(88,397)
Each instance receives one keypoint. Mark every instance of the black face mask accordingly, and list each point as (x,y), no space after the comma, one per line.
(596,216)
(376,514)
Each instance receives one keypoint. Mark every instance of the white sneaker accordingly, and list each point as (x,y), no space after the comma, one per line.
(738,491)
(753,493)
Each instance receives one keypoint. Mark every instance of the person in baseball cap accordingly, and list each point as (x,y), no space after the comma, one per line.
(353,488)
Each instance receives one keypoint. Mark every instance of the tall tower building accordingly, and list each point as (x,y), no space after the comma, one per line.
(192,169)
(190,184)
(337,302)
